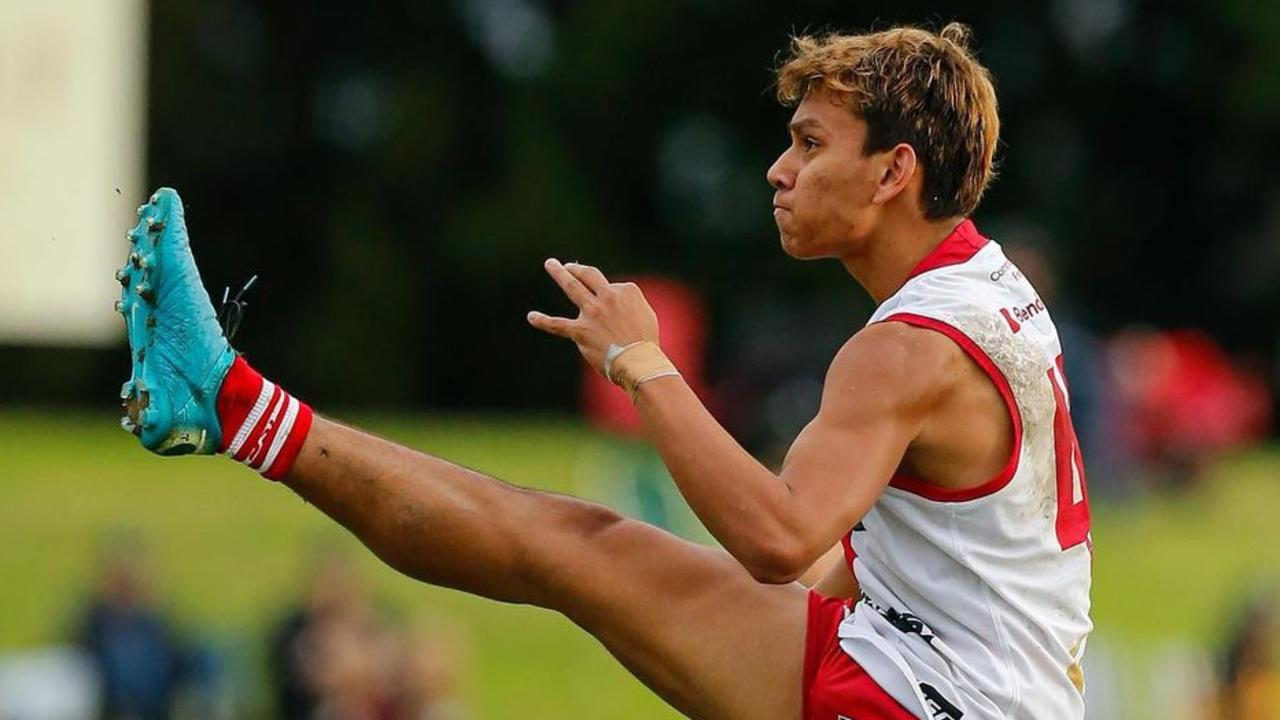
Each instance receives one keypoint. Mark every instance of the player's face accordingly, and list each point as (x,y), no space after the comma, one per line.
(823,182)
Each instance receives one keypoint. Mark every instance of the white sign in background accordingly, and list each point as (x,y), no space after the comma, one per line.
(72,114)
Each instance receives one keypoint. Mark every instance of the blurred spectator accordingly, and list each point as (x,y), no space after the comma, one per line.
(322,651)
(1183,400)
(133,646)
(1158,405)
(336,658)
(426,676)
(682,322)
(1250,688)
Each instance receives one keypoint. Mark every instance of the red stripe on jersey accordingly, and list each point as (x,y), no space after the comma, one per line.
(963,243)
(846,542)
(937,493)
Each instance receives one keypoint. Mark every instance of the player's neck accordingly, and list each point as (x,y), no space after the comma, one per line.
(897,246)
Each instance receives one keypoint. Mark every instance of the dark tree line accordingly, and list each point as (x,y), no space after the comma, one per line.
(395,171)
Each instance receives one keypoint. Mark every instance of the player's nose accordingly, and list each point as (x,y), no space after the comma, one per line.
(779,175)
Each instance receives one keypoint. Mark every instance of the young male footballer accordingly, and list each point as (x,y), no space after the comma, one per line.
(942,457)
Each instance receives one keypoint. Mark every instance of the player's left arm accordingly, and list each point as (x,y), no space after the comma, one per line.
(879,390)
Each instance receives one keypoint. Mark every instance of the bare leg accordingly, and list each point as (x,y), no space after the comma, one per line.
(687,620)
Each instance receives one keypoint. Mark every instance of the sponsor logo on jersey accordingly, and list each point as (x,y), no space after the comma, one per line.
(1014,325)
(1019,314)
(905,622)
(939,707)
(1006,269)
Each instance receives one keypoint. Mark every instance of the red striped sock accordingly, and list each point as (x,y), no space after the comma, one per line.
(262,425)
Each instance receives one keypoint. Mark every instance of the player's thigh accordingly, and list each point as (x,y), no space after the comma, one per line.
(690,622)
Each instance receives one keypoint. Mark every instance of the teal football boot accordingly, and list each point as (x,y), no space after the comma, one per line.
(179,352)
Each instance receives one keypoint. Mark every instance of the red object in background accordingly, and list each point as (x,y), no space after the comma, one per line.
(1181,394)
(682,323)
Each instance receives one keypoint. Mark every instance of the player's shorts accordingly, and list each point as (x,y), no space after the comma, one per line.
(836,687)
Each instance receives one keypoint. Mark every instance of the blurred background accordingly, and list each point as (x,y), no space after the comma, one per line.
(395,172)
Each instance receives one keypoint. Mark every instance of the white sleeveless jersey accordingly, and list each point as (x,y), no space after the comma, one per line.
(976,603)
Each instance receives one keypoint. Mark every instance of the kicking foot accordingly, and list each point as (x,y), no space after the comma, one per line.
(179,353)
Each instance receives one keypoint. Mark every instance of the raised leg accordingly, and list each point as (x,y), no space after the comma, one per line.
(687,620)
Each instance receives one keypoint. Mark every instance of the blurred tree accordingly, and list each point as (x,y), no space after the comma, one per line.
(395,171)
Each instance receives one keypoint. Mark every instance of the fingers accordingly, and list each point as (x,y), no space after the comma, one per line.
(589,275)
(553,325)
(572,287)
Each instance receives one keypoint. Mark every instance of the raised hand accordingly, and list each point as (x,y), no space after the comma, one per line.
(608,313)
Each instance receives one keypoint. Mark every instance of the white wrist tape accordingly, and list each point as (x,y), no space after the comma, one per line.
(630,366)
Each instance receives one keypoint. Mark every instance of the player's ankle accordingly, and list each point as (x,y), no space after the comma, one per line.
(263,426)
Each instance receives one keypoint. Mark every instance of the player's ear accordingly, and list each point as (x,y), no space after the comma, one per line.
(897,167)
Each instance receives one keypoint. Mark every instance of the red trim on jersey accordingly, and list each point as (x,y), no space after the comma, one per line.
(929,490)
(963,243)
(846,543)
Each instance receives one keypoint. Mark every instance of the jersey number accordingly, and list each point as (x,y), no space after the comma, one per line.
(1073,494)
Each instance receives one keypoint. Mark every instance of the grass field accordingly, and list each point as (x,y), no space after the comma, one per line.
(229,551)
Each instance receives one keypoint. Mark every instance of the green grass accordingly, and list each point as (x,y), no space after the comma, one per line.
(1178,567)
(229,551)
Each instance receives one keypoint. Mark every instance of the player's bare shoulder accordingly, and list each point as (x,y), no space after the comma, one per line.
(960,430)
(907,367)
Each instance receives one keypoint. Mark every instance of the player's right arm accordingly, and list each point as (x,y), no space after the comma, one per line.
(881,388)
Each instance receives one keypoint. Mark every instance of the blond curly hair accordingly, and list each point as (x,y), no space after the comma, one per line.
(912,86)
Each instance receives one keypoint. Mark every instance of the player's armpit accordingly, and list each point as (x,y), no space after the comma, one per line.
(839,580)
